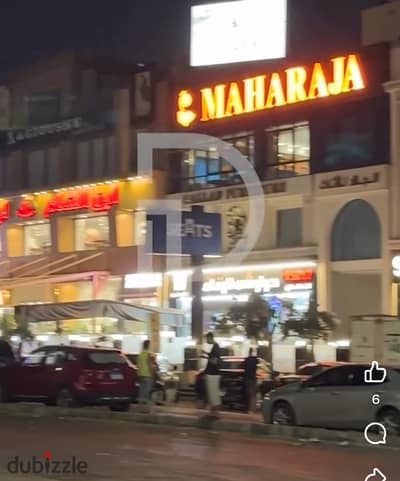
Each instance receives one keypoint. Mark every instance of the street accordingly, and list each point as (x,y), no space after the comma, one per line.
(123,451)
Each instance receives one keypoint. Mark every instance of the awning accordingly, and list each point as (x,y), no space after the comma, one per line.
(94,309)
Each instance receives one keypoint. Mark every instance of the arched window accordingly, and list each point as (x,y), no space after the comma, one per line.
(356,233)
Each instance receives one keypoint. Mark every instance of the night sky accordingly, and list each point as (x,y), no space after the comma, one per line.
(151,30)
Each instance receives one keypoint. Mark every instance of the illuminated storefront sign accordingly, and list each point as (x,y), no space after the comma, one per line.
(97,198)
(259,284)
(94,199)
(297,275)
(396,268)
(267,91)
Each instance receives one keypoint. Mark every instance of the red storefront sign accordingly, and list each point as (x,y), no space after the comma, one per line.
(25,209)
(298,275)
(95,199)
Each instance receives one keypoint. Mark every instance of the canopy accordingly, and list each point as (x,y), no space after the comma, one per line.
(92,309)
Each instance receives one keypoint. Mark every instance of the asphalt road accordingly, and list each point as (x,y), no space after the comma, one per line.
(122,451)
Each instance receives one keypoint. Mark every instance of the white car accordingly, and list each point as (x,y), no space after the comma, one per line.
(337,398)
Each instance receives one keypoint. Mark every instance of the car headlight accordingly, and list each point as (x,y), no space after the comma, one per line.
(267,397)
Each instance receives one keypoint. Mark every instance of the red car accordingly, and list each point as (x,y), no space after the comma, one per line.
(69,375)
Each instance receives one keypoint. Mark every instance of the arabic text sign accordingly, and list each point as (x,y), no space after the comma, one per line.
(340,180)
(198,231)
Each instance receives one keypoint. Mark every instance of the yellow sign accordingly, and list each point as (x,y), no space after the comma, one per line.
(267,91)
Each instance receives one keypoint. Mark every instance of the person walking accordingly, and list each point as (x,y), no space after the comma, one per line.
(145,373)
(213,377)
(250,380)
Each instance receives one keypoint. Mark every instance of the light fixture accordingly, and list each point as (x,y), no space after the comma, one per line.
(143,280)
(300,343)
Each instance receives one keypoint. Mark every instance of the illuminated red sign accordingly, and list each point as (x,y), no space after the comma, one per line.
(4,210)
(26,209)
(95,199)
(298,275)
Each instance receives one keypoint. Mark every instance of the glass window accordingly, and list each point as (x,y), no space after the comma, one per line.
(289,232)
(37,238)
(53,166)
(83,160)
(99,157)
(288,151)
(92,232)
(104,357)
(43,107)
(34,358)
(205,168)
(36,168)
(337,376)
(55,358)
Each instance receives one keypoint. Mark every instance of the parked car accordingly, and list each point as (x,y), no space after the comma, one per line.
(307,370)
(232,381)
(69,375)
(336,398)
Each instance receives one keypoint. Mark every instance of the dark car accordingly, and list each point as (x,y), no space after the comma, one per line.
(69,375)
(232,381)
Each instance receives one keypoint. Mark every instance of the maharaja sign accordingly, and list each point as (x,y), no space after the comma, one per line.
(267,91)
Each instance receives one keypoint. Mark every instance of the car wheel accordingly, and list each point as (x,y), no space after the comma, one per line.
(390,418)
(65,398)
(282,414)
(123,407)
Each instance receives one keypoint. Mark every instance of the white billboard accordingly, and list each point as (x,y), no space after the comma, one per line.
(238,31)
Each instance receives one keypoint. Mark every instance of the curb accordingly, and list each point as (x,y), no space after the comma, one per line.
(297,434)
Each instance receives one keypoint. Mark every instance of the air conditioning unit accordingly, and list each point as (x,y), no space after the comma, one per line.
(381,24)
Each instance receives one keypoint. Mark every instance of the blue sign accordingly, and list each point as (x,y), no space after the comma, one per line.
(198,232)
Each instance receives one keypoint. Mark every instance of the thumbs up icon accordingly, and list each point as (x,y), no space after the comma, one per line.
(375,375)
(376,475)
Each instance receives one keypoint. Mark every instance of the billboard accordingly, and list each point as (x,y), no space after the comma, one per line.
(199,232)
(238,31)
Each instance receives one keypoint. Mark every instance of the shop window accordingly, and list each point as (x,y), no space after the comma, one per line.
(204,168)
(288,151)
(356,233)
(289,229)
(92,232)
(36,168)
(37,238)
(43,107)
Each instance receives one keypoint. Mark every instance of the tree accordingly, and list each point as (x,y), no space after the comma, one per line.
(255,315)
(312,325)
(7,325)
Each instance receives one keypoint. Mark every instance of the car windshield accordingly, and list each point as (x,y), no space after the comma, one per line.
(104,357)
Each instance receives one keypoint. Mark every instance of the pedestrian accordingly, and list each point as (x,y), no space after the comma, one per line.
(145,373)
(212,375)
(250,380)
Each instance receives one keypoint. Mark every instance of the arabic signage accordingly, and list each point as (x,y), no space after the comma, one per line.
(228,284)
(198,233)
(270,90)
(298,275)
(213,195)
(98,198)
(337,181)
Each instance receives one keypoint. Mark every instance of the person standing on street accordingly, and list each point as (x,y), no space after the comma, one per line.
(212,375)
(250,380)
(145,373)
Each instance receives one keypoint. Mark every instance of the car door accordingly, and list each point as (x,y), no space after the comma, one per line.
(27,375)
(53,373)
(356,408)
(321,400)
